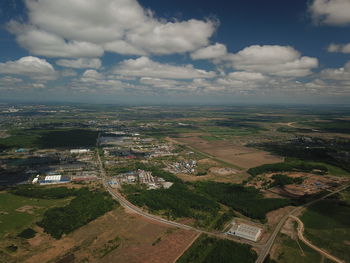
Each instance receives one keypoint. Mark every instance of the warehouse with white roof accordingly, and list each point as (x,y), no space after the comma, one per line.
(245,231)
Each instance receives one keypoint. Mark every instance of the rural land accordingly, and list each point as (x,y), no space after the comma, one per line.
(156,184)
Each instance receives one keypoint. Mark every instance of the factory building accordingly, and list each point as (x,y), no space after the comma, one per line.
(245,231)
(53,177)
(79,151)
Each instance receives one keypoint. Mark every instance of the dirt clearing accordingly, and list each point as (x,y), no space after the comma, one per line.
(115,237)
(229,152)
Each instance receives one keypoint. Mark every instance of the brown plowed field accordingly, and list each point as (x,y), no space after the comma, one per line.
(237,155)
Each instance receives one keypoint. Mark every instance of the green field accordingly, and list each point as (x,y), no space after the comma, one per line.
(327,225)
(211,250)
(13,222)
(289,251)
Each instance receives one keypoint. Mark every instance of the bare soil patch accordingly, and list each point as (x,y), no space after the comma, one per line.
(231,178)
(115,237)
(27,209)
(229,152)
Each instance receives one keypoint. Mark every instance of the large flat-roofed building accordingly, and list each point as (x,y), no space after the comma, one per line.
(245,231)
(53,178)
(79,151)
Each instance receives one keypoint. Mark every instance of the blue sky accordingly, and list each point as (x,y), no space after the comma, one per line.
(156,51)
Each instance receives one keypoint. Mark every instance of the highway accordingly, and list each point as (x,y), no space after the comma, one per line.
(126,204)
(267,247)
(264,249)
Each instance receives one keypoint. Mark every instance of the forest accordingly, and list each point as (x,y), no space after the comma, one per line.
(212,250)
(44,193)
(288,166)
(86,207)
(176,202)
(247,200)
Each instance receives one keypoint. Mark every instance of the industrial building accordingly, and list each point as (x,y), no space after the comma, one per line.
(53,177)
(79,151)
(245,231)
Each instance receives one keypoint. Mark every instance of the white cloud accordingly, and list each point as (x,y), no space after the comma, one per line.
(241,80)
(247,76)
(331,12)
(9,80)
(216,51)
(43,43)
(68,73)
(91,75)
(145,67)
(33,67)
(80,63)
(337,74)
(273,60)
(343,48)
(87,28)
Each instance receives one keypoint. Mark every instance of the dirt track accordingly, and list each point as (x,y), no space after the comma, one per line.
(308,243)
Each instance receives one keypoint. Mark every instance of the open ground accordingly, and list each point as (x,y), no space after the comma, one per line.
(229,152)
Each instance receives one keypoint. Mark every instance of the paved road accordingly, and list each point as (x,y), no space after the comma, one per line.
(307,242)
(264,249)
(267,247)
(125,203)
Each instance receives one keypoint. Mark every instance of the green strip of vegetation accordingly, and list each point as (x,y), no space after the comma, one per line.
(223,219)
(212,250)
(86,207)
(43,193)
(290,165)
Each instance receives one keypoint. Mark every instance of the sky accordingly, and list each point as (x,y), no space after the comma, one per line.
(173,52)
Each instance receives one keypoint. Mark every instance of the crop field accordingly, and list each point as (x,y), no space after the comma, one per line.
(237,155)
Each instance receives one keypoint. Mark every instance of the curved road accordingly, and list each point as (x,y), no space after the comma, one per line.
(265,249)
(307,242)
(125,203)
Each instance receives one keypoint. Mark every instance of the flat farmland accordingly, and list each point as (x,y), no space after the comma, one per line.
(117,236)
(229,152)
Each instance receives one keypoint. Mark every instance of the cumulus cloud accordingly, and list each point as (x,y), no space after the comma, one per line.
(343,48)
(337,74)
(274,60)
(331,12)
(89,27)
(241,80)
(33,67)
(80,63)
(145,67)
(43,43)
(215,51)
